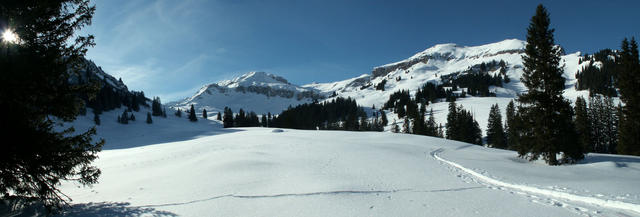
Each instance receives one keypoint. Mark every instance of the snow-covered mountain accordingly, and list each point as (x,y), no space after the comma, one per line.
(263,92)
(260,92)
(439,63)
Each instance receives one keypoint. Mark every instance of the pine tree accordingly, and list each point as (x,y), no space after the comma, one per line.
(629,84)
(124,118)
(431,127)
(156,107)
(406,126)
(178,113)
(227,119)
(34,88)
(219,117)
(192,114)
(511,126)
(263,120)
(149,120)
(583,124)
(495,132)
(383,118)
(549,115)
(452,129)
(204,113)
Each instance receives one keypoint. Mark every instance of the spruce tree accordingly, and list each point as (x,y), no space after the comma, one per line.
(383,118)
(124,118)
(406,126)
(629,84)
(36,96)
(431,126)
(495,132)
(227,119)
(511,126)
(192,114)
(219,117)
(549,115)
(452,129)
(204,113)
(583,124)
(149,120)
(178,113)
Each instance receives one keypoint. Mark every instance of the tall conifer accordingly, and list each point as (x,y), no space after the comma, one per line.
(548,119)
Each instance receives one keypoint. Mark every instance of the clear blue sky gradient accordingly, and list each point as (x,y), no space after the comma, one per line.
(172,48)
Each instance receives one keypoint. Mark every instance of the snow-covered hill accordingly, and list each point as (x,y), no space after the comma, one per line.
(255,91)
(262,92)
(442,61)
(176,167)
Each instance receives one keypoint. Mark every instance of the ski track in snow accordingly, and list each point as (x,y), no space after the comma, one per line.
(619,205)
(345,192)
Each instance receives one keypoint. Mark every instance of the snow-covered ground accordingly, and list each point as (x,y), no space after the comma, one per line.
(175,167)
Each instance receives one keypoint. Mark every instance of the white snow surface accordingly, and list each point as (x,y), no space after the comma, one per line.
(176,167)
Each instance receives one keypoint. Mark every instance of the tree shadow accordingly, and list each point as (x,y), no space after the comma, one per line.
(619,160)
(112,209)
(137,139)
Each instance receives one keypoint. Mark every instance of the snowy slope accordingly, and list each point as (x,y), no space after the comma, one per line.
(255,91)
(256,172)
(441,60)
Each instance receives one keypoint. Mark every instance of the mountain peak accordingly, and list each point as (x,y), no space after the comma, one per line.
(255,79)
(451,51)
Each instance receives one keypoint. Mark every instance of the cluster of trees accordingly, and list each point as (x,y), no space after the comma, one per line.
(337,114)
(243,119)
(600,79)
(461,125)
(597,124)
(109,98)
(477,79)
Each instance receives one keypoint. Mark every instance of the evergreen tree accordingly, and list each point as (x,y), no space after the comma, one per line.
(431,127)
(34,88)
(383,117)
(495,132)
(263,120)
(204,113)
(156,107)
(132,117)
(604,121)
(511,126)
(149,120)
(227,119)
(406,126)
(440,133)
(219,117)
(451,121)
(124,117)
(178,113)
(192,114)
(583,124)
(549,115)
(629,84)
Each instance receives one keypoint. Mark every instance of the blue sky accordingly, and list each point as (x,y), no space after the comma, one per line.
(171,48)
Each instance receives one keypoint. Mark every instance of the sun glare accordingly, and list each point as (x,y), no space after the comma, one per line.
(9,36)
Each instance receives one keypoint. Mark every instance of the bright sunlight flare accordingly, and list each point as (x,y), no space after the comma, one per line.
(9,36)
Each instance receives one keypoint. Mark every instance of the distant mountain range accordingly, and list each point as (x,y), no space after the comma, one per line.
(441,65)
